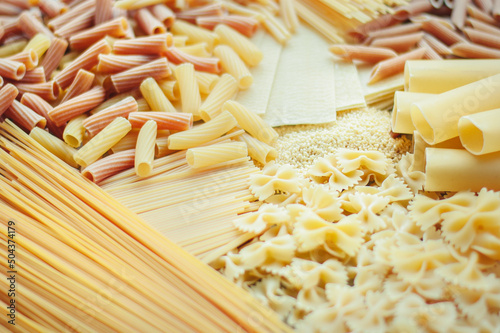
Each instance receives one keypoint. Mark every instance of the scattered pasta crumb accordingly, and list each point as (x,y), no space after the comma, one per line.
(360,129)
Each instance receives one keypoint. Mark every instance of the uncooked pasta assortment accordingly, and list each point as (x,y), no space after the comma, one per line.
(143,147)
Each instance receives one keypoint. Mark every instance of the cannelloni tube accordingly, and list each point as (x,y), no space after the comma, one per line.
(479,132)
(401,118)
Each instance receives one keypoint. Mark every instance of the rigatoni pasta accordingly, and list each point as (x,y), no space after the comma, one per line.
(195,34)
(215,154)
(24,117)
(96,122)
(112,63)
(224,90)
(42,107)
(55,145)
(188,89)
(74,131)
(258,150)
(232,64)
(177,121)
(84,39)
(245,49)
(8,94)
(155,97)
(145,149)
(152,45)
(110,165)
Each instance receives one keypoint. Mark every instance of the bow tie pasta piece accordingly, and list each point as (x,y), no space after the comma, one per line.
(260,221)
(307,274)
(269,292)
(325,170)
(325,203)
(231,266)
(392,187)
(350,160)
(378,178)
(414,179)
(272,254)
(477,304)
(366,208)
(274,178)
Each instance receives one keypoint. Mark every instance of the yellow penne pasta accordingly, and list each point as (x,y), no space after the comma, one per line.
(232,64)
(199,50)
(24,117)
(74,131)
(289,14)
(55,145)
(215,154)
(8,94)
(145,149)
(206,81)
(171,88)
(188,89)
(109,165)
(251,122)
(40,43)
(479,133)
(258,150)
(244,47)
(155,97)
(195,34)
(82,83)
(204,133)
(95,123)
(84,39)
(274,27)
(40,106)
(77,105)
(149,23)
(224,90)
(102,142)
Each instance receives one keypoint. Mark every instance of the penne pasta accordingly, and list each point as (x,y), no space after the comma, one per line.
(232,64)
(480,15)
(24,117)
(244,47)
(55,145)
(483,38)
(149,23)
(243,24)
(251,122)
(474,51)
(215,154)
(459,13)
(368,54)
(74,131)
(176,121)
(164,14)
(203,133)
(429,51)
(485,5)
(130,79)
(109,166)
(28,58)
(496,10)
(42,107)
(53,56)
(394,65)
(152,45)
(8,94)
(36,75)
(11,69)
(482,26)
(324,26)
(441,32)
(103,11)
(48,91)
(31,26)
(8,9)
(111,64)
(171,89)
(77,105)
(188,89)
(84,39)
(102,142)
(40,43)
(273,26)
(258,150)
(479,133)
(398,43)
(83,21)
(155,97)
(145,149)
(397,30)
(86,60)
(224,90)
(82,83)
(195,34)
(96,122)
(204,64)
(414,8)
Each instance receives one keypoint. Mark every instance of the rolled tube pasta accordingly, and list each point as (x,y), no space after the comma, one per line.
(86,60)
(421,75)
(233,65)
(149,23)
(131,78)
(109,165)
(367,54)
(11,69)
(82,83)
(206,132)
(188,88)
(394,65)
(145,149)
(258,150)
(214,154)
(55,145)
(479,132)
(224,90)
(114,28)
(436,118)
(102,142)
(111,63)
(95,123)
(152,45)
(243,46)
(77,105)
(195,34)
(419,146)
(155,97)
(177,121)
(8,94)
(204,64)
(251,122)
(467,172)
(401,118)
(74,131)
(24,117)
(53,56)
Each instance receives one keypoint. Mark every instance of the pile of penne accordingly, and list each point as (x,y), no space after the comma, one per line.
(108,85)
(419,30)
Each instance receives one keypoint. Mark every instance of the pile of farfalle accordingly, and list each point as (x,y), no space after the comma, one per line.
(357,246)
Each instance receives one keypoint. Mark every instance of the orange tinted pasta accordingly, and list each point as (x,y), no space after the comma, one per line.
(28,58)
(483,38)
(8,9)
(109,165)
(86,60)
(458,13)
(53,56)
(441,32)
(156,45)
(8,94)
(48,91)
(394,66)
(114,28)
(77,105)
(211,65)
(149,23)
(71,14)
(398,43)
(190,15)
(474,51)
(165,120)
(82,82)
(110,63)
(95,123)
(412,9)
(12,69)
(30,25)
(52,7)
(478,14)
(429,51)
(437,45)
(131,78)
(24,117)
(397,30)
(164,14)
(36,75)
(81,22)
(364,53)
(478,25)
(243,24)
(40,106)
(103,11)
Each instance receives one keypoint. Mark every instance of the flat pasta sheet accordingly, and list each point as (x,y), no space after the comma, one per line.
(348,90)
